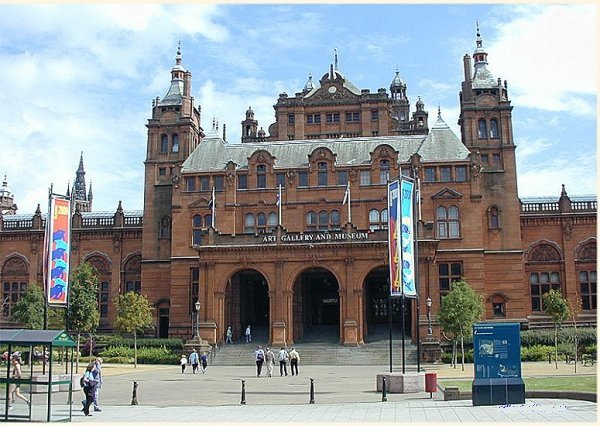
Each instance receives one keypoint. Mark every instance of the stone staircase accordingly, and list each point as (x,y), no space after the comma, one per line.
(323,353)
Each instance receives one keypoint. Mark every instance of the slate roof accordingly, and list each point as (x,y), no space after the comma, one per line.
(441,144)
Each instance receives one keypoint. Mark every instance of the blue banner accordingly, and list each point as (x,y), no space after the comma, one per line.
(407,232)
(393,237)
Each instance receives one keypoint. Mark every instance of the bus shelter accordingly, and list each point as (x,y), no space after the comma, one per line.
(20,341)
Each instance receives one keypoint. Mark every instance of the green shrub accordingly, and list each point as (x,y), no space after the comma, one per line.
(536,353)
(585,336)
(171,344)
(157,356)
(447,356)
(116,351)
(590,349)
(118,360)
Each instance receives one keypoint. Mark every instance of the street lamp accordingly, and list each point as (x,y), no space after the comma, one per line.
(197,305)
(428,303)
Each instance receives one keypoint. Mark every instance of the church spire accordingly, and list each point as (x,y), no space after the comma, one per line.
(79,191)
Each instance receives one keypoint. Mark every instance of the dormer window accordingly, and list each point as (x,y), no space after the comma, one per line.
(384,171)
(322,174)
(261,176)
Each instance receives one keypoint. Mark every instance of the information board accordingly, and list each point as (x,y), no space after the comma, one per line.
(497,350)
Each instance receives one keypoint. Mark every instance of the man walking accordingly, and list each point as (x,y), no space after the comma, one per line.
(204,360)
(270,360)
(282,356)
(294,360)
(229,335)
(259,355)
(194,360)
(248,334)
(97,375)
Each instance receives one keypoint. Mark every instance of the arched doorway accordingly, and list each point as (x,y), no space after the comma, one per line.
(316,307)
(247,303)
(376,294)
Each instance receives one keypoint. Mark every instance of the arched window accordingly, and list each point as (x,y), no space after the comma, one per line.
(196,230)
(208,220)
(335,219)
(311,221)
(261,176)
(164,143)
(323,220)
(448,222)
(175,146)
(373,219)
(482,129)
(103,269)
(586,273)
(165,228)
(15,275)
(261,222)
(271,221)
(249,223)
(493,218)
(384,171)
(544,269)
(384,219)
(133,274)
(322,174)
(494,128)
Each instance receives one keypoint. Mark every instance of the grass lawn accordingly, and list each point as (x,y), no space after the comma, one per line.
(580,383)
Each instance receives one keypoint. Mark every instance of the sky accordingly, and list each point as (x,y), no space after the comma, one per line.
(81,78)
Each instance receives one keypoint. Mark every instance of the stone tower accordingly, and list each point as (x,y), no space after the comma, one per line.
(7,201)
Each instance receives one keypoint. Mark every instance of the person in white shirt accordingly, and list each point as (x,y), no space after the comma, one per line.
(282,357)
(294,360)
(248,334)
(270,360)
(259,356)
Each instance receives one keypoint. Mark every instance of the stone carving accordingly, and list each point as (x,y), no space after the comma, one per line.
(587,252)
(544,253)
(16,267)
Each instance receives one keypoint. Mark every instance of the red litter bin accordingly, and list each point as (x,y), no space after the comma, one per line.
(431,383)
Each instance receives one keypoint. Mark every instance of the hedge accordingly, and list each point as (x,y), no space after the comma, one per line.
(124,355)
(171,344)
(586,336)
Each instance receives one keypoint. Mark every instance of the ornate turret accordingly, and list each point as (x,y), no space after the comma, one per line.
(79,194)
(7,205)
(249,127)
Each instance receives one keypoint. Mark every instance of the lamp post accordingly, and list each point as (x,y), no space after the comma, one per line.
(428,304)
(197,305)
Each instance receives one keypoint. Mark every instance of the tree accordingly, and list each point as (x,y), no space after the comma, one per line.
(84,316)
(134,314)
(460,309)
(557,308)
(574,310)
(29,310)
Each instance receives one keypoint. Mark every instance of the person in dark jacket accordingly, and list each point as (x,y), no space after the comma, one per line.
(89,387)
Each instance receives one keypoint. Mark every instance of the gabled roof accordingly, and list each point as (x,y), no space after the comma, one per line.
(37,337)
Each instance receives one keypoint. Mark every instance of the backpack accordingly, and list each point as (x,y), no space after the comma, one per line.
(82,382)
(260,357)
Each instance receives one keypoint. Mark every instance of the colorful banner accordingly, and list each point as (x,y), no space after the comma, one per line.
(59,245)
(393,237)
(407,238)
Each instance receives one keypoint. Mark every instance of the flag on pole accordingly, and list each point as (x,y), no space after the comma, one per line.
(211,206)
(347,193)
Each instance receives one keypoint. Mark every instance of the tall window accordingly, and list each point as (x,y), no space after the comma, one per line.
(249,223)
(384,171)
(175,146)
(280,179)
(587,286)
(291,118)
(133,274)
(196,230)
(261,222)
(342,177)
(164,143)
(461,173)
(271,222)
(374,115)
(445,174)
(15,276)
(447,219)
(352,117)
(242,181)
(541,283)
(323,220)
(208,220)
(429,174)
(481,129)
(332,117)
(373,219)
(322,174)
(190,183)
(103,269)
(311,221)
(493,218)
(261,176)
(335,219)
(194,288)
(204,183)
(365,177)
(302,179)
(447,274)
(494,128)
(165,228)
(219,182)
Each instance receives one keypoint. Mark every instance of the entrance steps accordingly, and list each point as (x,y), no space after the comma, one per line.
(322,353)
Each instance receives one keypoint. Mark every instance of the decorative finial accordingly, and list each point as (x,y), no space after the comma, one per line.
(478,34)
(214,122)
(439,111)
(178,56)
(335,59)
(563,192)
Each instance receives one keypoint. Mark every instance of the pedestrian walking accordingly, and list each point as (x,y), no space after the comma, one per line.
(248,334)
(97,373)
(89,387)
(183,362)
(204,360)
(282,357)
(259,356)
(14,389)
(229,335)
(294,360)
(194,360)
(269,361)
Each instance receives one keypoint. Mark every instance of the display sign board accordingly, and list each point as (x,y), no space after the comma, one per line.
(497,350)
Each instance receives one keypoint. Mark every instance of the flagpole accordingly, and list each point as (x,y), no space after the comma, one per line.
(213,208)
(349,202)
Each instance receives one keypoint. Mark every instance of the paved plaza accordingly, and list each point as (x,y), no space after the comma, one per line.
(342,394)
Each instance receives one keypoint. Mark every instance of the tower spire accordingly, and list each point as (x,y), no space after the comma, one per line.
(335,59)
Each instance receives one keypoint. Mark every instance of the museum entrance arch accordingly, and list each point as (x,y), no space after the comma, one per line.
(247,303)
(316,307)
(376,293)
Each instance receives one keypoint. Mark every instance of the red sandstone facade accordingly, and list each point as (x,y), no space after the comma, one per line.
(315,272)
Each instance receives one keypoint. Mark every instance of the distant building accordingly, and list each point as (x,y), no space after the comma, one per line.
(259,232)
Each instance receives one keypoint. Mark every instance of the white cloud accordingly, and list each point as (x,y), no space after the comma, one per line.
(549,57)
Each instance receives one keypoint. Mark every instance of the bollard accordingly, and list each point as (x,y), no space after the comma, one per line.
(134,396)
(243,401)
(312,392)
(383,391)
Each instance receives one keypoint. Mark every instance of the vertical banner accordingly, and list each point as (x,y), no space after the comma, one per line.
(407,234)
(393,237)
(59,244)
